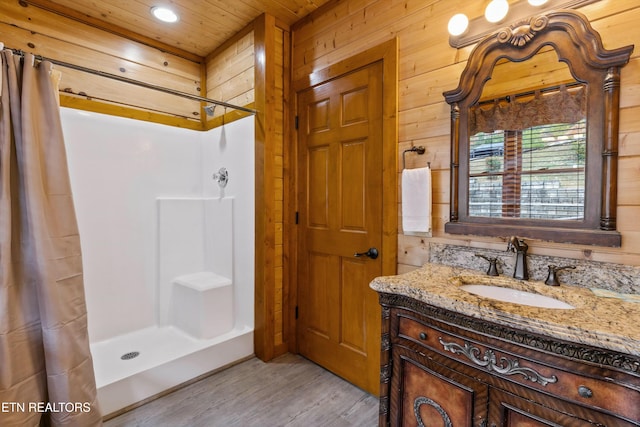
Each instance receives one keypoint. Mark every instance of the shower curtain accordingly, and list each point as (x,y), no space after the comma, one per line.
(46,370)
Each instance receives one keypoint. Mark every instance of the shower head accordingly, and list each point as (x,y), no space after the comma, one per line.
(210,109)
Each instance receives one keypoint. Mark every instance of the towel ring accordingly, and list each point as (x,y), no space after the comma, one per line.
(420,150)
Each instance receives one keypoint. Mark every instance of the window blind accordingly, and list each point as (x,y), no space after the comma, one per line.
(536,173)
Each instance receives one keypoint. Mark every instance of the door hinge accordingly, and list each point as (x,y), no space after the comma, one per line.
(297,218)
(296,312)
(296,122)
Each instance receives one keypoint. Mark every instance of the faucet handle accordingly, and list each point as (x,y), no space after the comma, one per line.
(492,271)
(552,278)
(516,244)
(510,246)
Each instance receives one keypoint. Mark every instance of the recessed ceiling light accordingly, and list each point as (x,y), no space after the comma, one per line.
(164,14)
(537,2)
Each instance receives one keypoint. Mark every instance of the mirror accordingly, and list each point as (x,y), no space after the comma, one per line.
(527,150)
(534,134)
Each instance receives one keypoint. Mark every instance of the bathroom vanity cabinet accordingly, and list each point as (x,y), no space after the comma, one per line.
(444,368)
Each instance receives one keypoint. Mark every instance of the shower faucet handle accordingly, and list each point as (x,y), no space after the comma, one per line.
(222,176)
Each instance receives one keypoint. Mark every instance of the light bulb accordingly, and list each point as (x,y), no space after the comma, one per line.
(164,14)
(458,24)
(537,2)
(496,10)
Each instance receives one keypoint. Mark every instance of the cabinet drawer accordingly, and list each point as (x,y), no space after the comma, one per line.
(535,370)
(508,409)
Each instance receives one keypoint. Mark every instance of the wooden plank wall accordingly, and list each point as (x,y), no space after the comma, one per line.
(271,89)
(64,38)
(281,89)
(429,66)
(230,76)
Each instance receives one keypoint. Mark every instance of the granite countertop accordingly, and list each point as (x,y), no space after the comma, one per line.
(605,322)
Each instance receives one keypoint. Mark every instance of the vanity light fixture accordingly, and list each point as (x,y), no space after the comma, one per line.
(496,10)
(164,14)
(464,32)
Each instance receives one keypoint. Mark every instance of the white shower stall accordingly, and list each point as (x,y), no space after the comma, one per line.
(168,254)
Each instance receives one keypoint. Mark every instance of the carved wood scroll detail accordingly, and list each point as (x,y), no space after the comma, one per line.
(522,33)
(490,361)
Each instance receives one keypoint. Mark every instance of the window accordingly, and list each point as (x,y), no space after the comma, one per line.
(537,173)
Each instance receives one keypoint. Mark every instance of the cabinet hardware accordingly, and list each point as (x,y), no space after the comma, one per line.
(426,401)
(489,361)
(423,336)
(585,392)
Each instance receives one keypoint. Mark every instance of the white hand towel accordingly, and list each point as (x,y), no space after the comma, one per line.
(416,200)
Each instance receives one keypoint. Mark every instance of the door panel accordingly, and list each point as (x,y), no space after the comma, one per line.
(319,274)
(340,203)
(353,186)
(318,183)
(434,395)
(353,333)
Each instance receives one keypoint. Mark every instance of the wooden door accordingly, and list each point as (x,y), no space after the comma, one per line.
(340,214)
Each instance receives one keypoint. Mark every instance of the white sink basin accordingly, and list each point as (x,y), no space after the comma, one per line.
(515,296)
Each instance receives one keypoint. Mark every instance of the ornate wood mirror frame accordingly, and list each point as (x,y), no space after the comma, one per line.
(578,45)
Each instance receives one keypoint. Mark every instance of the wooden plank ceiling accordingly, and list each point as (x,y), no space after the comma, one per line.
(203,26)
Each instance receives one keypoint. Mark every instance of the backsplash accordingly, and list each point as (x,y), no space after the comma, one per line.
(587,274)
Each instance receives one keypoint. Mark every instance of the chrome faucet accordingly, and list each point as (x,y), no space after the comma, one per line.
(518,246)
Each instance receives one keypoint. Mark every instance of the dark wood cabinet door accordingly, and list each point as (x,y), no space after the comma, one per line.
(433,395)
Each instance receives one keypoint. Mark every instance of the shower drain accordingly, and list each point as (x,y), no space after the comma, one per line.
(130,355)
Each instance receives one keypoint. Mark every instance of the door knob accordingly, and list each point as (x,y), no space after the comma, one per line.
(371,253)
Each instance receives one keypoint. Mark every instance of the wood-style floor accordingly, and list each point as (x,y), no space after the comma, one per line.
(288,391)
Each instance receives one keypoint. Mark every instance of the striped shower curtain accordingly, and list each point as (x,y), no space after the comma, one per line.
(46,370)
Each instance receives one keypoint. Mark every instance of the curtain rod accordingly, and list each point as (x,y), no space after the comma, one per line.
(135,82)
(508,98)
